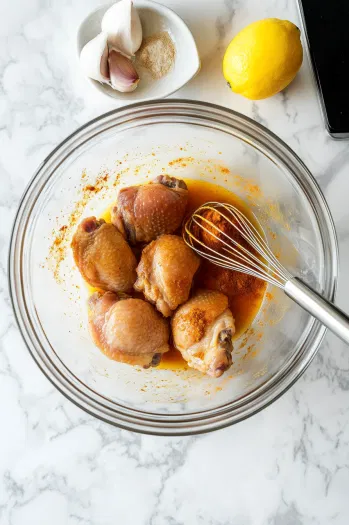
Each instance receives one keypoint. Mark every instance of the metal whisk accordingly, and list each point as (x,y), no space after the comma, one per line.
(257,259)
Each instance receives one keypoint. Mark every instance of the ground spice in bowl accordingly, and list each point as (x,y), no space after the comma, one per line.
(157,54)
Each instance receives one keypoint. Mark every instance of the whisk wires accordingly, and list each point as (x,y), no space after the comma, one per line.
(259,262)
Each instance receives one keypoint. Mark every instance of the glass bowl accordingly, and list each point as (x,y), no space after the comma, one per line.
(81,176)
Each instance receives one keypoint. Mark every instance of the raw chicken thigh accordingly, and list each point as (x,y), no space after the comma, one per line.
(165,272)
(128,330)
(103,257)
(202,331)
(144,212)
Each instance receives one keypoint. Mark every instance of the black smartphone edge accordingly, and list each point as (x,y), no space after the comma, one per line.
(333,135)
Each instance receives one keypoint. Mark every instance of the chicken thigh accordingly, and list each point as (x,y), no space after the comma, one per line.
(144,212)
(128,330)
(165,272)
(202,331)
(104,258)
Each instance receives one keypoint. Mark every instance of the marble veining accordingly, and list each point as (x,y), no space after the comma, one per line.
(288,465)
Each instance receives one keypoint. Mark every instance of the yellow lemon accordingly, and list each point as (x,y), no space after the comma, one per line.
(263,58)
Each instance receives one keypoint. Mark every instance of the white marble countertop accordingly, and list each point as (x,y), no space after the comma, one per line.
(288,465)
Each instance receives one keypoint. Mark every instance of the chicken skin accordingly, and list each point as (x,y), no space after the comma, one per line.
(128,330)
(202,331)
(104,258)
(144,212)
(165,272)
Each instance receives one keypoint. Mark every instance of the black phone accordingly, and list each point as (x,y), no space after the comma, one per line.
(325,25)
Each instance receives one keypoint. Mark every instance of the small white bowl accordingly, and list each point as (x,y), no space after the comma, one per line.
(155,18)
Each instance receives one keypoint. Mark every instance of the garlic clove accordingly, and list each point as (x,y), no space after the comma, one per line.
(124,28)
(94,58)
(123,75)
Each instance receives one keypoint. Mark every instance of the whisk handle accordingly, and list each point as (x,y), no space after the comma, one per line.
(323,310)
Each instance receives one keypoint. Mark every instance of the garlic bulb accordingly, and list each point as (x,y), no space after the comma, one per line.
(94,58)
(123,75)
(123,25)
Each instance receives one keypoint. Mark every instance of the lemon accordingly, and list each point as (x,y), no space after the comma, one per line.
(263,58)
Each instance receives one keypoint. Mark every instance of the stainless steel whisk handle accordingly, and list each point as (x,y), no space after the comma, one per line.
(323,310)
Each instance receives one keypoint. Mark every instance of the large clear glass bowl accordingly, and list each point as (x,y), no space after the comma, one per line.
(186,139)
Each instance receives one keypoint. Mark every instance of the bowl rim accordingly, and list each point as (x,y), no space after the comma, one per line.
(136,419)
(167,13)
